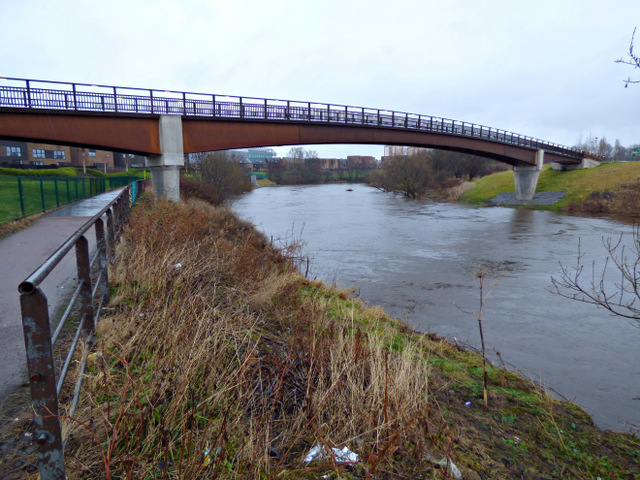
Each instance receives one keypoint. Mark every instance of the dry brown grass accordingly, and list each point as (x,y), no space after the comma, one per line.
(625,201)
(220,360)
(223,353)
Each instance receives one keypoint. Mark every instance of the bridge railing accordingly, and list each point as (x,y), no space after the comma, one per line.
(49,95)
(46,377)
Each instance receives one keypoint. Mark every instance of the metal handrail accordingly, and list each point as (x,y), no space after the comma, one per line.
(86,97)
(88,297)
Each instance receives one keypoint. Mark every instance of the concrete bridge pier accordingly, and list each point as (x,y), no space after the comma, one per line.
(526,178)
(165,168)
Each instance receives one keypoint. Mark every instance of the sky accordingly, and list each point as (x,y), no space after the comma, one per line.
(542,68)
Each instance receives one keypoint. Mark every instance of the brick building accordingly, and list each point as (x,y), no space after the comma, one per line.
(31,154)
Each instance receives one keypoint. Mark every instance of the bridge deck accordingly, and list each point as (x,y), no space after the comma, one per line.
(40,96)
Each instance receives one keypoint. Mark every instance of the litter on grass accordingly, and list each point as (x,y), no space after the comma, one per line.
(318,452)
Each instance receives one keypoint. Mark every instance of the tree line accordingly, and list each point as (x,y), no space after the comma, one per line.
(425,170)
(302,166)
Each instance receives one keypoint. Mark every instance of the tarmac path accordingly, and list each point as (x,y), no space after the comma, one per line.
(20,254)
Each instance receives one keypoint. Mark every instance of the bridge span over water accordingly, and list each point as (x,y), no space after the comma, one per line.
(165,124)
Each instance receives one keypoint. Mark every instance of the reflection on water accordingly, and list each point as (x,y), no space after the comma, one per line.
(416,259)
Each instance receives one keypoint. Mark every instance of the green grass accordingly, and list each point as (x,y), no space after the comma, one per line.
(579,184)
(45,193)
(49,172)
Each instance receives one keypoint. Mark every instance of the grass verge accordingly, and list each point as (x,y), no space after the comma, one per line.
(219,360)
(580,185)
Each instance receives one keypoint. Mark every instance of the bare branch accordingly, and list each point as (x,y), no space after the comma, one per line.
(632,60)
(619,298)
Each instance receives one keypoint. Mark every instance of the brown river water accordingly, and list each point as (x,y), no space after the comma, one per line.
(416,259)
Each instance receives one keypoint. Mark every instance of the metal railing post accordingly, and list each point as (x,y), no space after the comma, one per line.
(28,94)
(21,195)
(42,383)
(83,260)
(115,99)
(111,236)
(44,207)
(101,245)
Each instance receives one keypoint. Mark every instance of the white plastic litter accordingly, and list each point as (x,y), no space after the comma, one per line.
(178,265)
(318,452)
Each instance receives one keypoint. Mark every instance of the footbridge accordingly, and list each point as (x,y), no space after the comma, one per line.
(164,125)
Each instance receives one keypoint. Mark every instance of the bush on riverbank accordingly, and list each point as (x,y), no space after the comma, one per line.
(219,360)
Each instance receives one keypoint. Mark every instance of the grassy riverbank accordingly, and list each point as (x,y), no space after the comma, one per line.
(608,188)
(219,360)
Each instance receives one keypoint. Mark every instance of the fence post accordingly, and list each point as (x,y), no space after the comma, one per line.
(101,245)
(111,236)
(21,195)
(55,186)
(42,383)
(83,260)
(44,208)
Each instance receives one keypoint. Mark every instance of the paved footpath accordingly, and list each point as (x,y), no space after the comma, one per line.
(20,254)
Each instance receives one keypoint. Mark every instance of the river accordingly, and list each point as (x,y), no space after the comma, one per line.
(417,260)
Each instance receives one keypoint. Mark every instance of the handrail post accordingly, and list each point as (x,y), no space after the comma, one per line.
(111,236)
(378,117)
(28,93)
(101,246)
(115,99)
(309,114)
(75,101)
(241,109)
(42,383)
(288,112)
(213,105)
(184,104)
(151,97)
(346,114)
(83,260)
(266,115)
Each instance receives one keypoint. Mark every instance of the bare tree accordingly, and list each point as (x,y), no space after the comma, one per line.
(622,297)
(225,175)
(632,59)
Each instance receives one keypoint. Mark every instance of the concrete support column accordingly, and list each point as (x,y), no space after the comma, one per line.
(526,178)
(165,168)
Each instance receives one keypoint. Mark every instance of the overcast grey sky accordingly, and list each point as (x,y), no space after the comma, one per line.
(543,68)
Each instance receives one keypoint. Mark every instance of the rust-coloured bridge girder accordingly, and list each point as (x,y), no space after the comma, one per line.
(131,120)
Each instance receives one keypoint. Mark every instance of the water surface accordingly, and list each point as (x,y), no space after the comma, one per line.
(417,260)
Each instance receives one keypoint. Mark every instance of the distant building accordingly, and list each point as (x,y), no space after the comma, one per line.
(361,161)
(31,154)
(398,151)
(128,160)
(332,163)
(260,157)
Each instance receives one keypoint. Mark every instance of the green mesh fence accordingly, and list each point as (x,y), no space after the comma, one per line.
(23,196)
